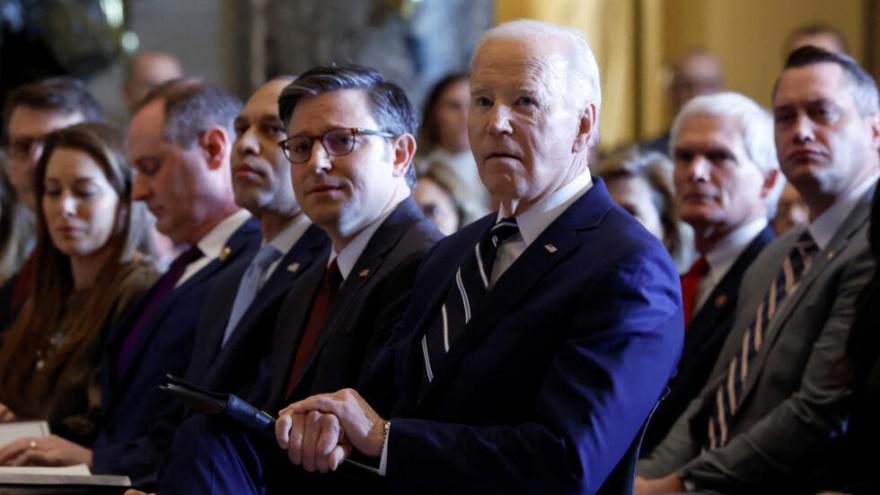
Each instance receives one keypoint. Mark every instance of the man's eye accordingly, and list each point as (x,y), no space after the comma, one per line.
(300,145)
(482,101)
(528,101)
(240,129)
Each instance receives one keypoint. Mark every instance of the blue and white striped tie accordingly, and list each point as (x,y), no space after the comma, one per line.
(468,289)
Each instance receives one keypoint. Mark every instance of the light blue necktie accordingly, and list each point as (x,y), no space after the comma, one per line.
(251,283)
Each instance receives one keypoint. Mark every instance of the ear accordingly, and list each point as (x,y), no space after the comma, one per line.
(875,131)
(404,148)
(586,125)
(770,179)
(214,144)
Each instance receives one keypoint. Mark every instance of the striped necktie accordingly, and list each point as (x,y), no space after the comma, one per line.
(465,294)
(729,394)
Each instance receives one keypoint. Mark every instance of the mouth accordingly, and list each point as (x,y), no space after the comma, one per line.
(805,155)
(246,171)
(69,231)
(324,189)
(697,197)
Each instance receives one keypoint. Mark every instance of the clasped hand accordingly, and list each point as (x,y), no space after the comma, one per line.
(319,432)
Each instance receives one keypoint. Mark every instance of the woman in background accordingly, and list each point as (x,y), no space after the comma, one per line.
(641,183)
(88,272)
(444,147)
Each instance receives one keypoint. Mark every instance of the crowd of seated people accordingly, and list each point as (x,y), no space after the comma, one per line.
(457,307)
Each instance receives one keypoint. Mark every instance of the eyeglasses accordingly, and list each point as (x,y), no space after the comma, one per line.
(336,142)
(20,148)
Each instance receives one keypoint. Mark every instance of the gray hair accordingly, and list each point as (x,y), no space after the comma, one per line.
(193,106)
(582,72)
(756,128)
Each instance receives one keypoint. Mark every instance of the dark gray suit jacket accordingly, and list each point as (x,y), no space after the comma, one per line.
(795,407)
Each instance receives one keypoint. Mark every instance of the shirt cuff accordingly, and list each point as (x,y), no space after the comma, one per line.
(383,462)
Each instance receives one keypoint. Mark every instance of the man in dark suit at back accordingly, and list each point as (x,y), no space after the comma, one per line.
(538,339)
(727,183)
(350,149)
(180,141)
(773,413)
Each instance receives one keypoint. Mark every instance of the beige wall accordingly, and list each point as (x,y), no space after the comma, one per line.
(747,35)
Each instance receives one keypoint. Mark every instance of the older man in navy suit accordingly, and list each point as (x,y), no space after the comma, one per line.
(538,339)
(727,183)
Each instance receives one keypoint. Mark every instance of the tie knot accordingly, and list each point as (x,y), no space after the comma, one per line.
(805,243)
(699,268)
(266,256)
(503,230)
(188,256)
(332,275)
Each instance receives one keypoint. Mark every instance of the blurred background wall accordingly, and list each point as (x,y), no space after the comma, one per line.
(239,43)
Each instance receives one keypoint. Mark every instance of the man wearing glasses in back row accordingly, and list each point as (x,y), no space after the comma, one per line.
(350,149)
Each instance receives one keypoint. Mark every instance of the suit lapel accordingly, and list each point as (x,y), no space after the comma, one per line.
(721,301)
(559,240)
(307,250)
(856,219)
(237,244)
(370,261)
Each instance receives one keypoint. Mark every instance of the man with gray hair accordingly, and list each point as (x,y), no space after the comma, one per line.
(537,339)
(727,182)
(773,413)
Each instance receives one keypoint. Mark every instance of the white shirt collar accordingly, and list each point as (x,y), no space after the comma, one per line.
(823,228)
(349,255)
(213,242)
(291,233)
(722,256)
(534,220)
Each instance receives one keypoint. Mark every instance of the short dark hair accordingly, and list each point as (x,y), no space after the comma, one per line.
(864,89)
(57,94)
(388,103)
(191,107)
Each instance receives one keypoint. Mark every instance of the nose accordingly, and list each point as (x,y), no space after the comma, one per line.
(140,187)
(68,205)
(247,143)
(319,159)
(803,128)
(499,120)
(698,169)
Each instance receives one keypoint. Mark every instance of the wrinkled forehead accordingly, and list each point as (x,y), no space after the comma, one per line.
(519,62)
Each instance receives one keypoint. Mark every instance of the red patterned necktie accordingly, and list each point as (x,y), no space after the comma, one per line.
(690,285)
(317,318)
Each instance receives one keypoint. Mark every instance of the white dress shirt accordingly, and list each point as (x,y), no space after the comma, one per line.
(284,240)
(212,243)
(823,228)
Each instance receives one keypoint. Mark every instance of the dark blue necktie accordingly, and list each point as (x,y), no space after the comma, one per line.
(465,294)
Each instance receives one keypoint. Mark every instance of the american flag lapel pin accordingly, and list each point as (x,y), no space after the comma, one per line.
(364,273)
(293,267)
(550,248)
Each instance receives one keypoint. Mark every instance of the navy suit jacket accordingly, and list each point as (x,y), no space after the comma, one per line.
(236,366)
(369,303)
(705,335)
(553,378)
(133,403)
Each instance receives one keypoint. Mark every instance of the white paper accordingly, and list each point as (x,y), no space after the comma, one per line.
(12,431)
(79,469)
